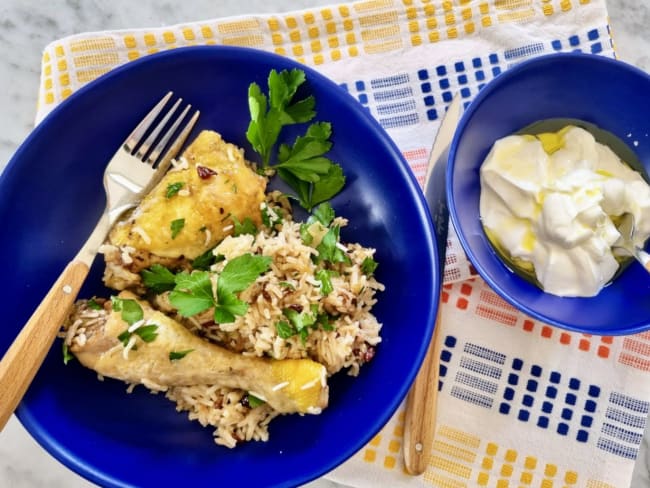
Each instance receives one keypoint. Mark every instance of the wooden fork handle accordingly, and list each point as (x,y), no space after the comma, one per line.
(421,406)
(25,355)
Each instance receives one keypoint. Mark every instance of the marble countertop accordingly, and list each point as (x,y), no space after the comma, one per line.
(28,25)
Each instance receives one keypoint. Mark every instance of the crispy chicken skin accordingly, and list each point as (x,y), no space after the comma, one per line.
(190,210)
(287,385)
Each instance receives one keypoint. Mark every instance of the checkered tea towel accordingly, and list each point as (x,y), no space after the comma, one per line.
(521,403)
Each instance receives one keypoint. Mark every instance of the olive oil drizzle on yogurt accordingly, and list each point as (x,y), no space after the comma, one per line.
(550,133)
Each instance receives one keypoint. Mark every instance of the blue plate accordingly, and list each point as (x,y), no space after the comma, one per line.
(607,93)
(50,198)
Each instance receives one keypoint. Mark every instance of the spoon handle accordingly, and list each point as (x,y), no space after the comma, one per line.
(25,355)
(421,408)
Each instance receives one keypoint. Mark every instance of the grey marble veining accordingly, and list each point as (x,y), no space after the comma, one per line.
(26,26)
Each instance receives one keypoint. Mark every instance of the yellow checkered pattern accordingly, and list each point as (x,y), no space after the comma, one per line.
(463,460)
(312,37)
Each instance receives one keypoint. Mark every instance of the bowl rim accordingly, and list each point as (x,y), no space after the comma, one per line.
(87,471)
(474,105)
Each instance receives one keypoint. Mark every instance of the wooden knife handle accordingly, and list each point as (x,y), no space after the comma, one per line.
(25,355)
(421,408)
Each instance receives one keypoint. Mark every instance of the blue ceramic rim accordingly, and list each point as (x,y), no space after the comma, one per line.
(313,77)
(467,116)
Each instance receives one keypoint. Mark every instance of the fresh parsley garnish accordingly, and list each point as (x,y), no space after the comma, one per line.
(305,235)
(324,276)
(176,355)
(271,217)
(254,402)
(269,115)
(173,188)
(328,250)
(368,266)
(206,260)
(284,329)
(67,357)
(193,292)
(299,323)
(176,226)
(237,275)
(286,284)
(131,311)
(324,214)
(245,227)
(158,278)
(93,305)
(147,333)
(303,165)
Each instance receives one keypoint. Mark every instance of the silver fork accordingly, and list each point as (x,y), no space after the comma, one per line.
(133,170)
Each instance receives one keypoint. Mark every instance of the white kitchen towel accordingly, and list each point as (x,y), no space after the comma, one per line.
(521,403)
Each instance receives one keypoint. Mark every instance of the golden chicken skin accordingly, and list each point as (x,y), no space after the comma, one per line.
(193,208)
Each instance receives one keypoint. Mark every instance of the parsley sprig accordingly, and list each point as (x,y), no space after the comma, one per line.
(131,312)
(192,293)
(303,165)
(298,323)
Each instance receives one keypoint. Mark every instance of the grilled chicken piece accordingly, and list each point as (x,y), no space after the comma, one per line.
(287,385)
(188,212)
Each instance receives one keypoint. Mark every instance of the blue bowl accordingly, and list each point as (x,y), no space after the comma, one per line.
(50,198)
(610,94)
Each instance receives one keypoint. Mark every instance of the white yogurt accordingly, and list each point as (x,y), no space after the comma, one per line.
(555,210)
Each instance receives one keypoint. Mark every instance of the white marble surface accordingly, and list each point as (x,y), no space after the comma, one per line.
(26,26)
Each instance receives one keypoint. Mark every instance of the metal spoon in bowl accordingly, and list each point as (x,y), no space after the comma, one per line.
(626,244)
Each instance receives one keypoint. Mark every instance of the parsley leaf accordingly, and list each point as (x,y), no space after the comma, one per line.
(237,275)
(158,278)
(324,214)
(192,293)
(323,320)
(269,115)
(131,310)
(285,329)
(368,266)
(271,217)
(206,260)
(147,333)
(305,235)
(328,249)
(328,186)
(227,307)
(245,227)
(173,189)
(176,226)
(305,158)
(67,357)
(93,305)
(240,272)
(176,355)
(254,402)
(304,168)
(299,321)
(324,275)
(124,337)
(303,165)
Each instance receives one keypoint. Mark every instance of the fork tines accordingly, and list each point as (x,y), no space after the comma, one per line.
(160,134)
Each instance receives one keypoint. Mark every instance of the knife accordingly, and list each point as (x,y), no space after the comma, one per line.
(421,403)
